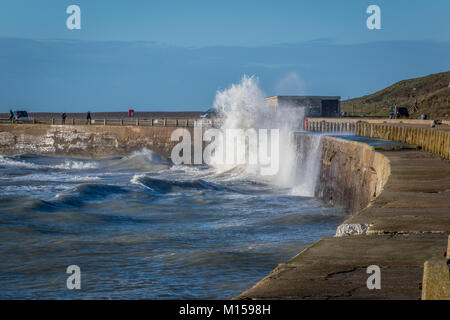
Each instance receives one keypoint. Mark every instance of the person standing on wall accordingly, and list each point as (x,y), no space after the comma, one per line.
(88,117)
(63,117)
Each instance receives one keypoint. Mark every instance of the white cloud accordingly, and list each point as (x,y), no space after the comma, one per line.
(290,84)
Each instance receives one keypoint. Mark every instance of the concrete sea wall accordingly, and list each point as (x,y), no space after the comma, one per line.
(84,140)
(399,200)
(352,174)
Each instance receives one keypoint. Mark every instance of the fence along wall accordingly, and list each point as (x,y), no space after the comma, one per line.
(153,122)
(432,140)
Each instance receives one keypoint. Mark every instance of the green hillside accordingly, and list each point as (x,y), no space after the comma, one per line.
(428,95)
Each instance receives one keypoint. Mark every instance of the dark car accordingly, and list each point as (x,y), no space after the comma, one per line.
(210,118)
(21,115)
(210,114)
(399,112)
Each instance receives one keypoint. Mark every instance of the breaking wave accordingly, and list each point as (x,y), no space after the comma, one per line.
(166,186)
(27,162)
(14,162)
(243,106)
(77,196)
(76,165)
(138,161)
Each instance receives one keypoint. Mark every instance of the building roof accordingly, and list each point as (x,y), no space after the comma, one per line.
(308,97)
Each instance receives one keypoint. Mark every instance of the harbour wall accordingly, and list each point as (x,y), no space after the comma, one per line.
(352,174)
(85,141)
(399,205)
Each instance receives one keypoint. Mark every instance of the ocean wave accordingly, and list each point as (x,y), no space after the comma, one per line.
(143,160)
(76,165)
(43,177)
(166,186)
(11,162)
(92,191)
(24,162)
(75,197)
(198,171)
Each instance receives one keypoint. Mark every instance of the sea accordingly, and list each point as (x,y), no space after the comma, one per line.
(139,227)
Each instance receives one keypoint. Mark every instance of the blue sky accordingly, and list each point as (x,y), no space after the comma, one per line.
(174,55)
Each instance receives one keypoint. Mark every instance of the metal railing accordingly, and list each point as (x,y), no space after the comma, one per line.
(434,140)
(153,122)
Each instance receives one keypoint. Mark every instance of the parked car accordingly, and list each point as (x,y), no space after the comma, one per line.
(209,118)
(399,112)
(20,116)
(210,114)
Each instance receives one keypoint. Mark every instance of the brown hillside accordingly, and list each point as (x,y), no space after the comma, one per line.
(428,95)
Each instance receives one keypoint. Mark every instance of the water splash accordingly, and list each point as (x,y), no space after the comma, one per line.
(309,154)
(242,106)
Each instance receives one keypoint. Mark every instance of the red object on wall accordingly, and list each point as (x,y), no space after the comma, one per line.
(131,113)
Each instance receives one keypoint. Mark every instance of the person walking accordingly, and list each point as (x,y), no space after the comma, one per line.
(63,117)
(88,117)
(11,115)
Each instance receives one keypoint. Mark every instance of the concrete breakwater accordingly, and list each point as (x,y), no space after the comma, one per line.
(84,140)
(400,204)
(352,174)
(416,132)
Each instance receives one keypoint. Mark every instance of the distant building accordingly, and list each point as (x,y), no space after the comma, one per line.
(315,106)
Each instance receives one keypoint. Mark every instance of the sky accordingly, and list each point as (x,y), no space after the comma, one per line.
(175,55)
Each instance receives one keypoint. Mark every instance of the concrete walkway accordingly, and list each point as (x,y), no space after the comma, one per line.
(407,224)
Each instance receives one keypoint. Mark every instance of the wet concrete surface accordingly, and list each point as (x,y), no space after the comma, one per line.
(408,224)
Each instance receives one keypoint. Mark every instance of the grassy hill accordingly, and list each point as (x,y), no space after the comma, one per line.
(428,95)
